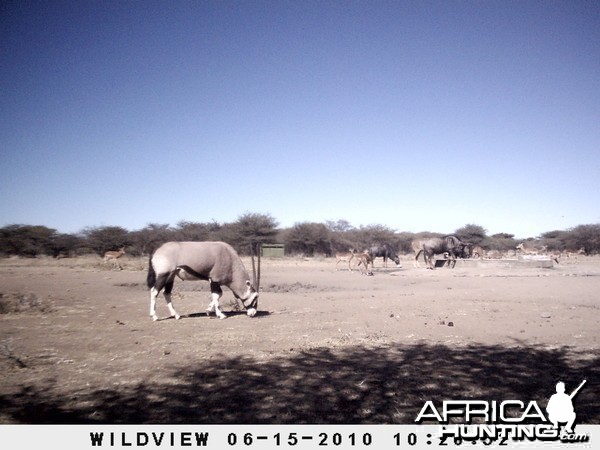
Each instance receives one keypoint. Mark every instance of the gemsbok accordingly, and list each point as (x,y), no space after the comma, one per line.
(114,256)
(215,262)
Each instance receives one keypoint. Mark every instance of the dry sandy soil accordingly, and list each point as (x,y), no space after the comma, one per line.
(77,344)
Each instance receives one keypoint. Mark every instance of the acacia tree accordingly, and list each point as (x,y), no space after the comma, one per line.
(375,234)
(586,236)
(196,231)
(308,238)
(405,240)
(339,226)
(341,235)
(474,234)
(251,229)
(26,240)
(65,245)
(500,241)
(555,240)
(149,238)
(102,239)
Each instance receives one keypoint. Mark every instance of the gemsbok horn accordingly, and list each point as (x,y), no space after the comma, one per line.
(215,262)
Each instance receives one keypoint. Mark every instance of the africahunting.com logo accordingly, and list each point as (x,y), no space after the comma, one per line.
(508,420)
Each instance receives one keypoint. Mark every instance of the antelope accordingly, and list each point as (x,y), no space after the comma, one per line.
(478,252)
(344,257)
(215,262)
(114,256)
(365,259)
(527,250)
(494,254)
(537,251)
(574,253)
(417,246)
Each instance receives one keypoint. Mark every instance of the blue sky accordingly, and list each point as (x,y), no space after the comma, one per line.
(417,115)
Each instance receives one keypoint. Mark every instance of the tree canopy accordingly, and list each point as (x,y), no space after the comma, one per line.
(306,238)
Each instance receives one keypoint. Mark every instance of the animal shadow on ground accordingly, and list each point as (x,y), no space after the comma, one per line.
(259,314)
(343,385)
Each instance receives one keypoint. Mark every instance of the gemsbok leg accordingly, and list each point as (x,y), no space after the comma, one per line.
(215,292)
(154,291)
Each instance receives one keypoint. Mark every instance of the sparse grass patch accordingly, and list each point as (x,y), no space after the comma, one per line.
(20,302)
(294,287)
(84,262)
(7,353)
(131,285)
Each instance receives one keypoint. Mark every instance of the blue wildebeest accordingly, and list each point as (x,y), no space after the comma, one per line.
(436,246)
(215,262)
(384,251)
(467,251)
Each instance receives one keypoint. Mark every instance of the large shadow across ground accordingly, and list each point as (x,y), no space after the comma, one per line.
(326,386)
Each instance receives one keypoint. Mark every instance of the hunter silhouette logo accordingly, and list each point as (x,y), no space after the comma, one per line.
(560,407)
(506,420)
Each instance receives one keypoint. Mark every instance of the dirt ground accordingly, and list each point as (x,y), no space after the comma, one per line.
(328,346)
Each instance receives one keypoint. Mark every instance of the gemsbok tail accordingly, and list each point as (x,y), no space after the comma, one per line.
(151,278)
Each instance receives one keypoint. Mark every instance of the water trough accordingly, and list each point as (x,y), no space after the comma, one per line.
(529,262)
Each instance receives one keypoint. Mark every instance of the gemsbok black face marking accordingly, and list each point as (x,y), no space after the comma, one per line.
(215,262)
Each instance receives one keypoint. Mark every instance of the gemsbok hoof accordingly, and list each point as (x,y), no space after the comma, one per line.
(154,317)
